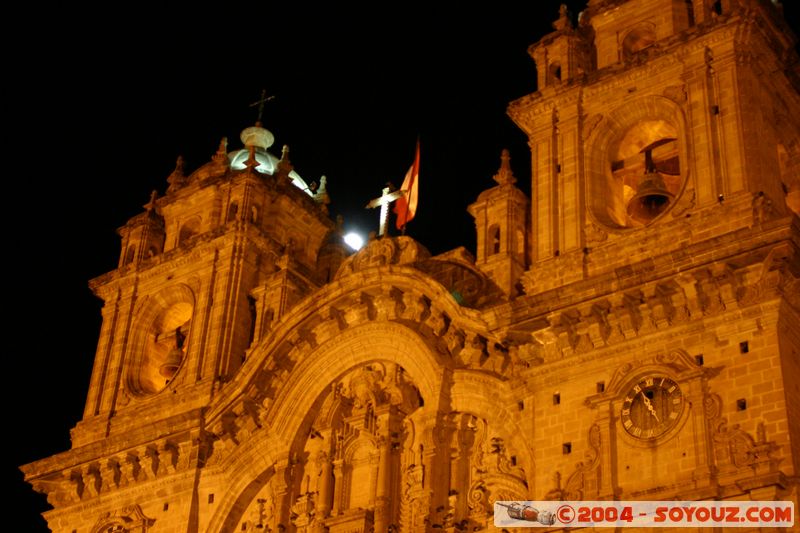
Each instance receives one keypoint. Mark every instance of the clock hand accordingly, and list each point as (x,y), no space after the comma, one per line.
(650,407)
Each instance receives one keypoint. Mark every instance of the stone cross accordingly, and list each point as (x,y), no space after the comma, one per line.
(383,201)
(260,103)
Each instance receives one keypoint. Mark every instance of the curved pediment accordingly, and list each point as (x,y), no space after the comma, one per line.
(375,314)
(454,270)
(382,252)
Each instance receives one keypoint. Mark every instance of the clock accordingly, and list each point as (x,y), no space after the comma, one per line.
(651,407)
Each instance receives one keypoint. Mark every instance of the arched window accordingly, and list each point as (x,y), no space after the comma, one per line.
(647,158)
(130,255)
(637,163)
(189,229)
(161,340)
(637,39)
(493,240)
(233,209)
(555,71)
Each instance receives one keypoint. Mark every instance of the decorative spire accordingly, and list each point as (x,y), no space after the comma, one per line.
(221,156)
(563,22)
(284,165)
(321,194)
(177,179)
(151,205)
(504,174)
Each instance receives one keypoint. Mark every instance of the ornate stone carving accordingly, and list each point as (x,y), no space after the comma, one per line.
(583,482)
(594,233)
(684,203)
(676,93)
(381,252)
(712,406)
(763,208)
(129,519)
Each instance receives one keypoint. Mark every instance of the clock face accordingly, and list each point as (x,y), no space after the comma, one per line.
(651,407)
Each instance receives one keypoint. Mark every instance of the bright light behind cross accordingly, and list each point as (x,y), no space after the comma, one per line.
(354,240)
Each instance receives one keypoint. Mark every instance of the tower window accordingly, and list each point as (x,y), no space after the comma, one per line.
(233,209)
(494,240)
(637,40)
(189,229)
(646,173)
(555,71)
(130,254)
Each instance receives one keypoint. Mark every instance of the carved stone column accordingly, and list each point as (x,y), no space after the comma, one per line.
(704,472)
(282,493)
(383,490)
(607,484)
(323,506)
(338,483)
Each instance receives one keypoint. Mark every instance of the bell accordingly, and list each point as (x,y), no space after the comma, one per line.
(171,364)
(652,197)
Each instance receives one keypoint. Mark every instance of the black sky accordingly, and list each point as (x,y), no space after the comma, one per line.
(97,113)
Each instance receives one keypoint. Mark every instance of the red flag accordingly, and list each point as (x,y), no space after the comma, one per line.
(406,206)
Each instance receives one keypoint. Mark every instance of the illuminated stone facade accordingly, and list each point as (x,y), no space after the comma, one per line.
(631,332)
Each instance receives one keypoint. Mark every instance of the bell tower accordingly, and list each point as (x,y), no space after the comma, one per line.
(243,233)
(143,235)
(500,215)
(564,55)
(664,251)
(685,113)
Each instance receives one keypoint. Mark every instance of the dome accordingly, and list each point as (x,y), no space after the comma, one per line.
(261,139)
(267,164)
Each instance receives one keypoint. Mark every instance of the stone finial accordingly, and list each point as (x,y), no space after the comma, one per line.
(563,22)
(177,178)
(151,205)
(178,172)
(504,174)
(321,194)
(284,165)
(221,156)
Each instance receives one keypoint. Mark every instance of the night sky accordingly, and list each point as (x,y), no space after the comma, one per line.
(97,113)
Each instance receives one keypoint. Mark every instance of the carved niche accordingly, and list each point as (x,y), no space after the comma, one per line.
(344,472)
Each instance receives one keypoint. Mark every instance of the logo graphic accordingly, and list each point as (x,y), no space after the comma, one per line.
(518,511)
(647,514)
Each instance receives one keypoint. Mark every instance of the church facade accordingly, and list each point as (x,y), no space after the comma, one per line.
(631,331)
